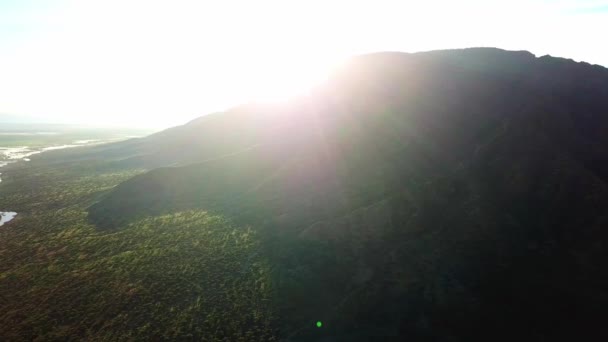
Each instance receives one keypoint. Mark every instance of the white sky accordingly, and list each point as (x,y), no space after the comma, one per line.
(160,63)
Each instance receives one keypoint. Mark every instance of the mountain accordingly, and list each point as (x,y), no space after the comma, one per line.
(447,195)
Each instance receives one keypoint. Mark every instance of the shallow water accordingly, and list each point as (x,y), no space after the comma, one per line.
(6,216)
(10,155)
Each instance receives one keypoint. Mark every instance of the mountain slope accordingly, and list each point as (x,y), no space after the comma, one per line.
(451,194)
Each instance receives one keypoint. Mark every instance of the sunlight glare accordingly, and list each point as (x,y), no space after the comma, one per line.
(160,63)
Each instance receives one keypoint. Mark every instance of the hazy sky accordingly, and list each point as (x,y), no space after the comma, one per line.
(155,63)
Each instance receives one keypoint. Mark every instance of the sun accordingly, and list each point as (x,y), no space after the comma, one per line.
(279,80)
(161,64)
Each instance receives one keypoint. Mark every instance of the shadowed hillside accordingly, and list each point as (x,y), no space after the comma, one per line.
(441,196)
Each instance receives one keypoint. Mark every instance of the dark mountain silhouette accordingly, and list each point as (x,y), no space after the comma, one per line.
(446,195)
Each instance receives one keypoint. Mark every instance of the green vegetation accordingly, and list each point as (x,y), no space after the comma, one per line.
(185,275)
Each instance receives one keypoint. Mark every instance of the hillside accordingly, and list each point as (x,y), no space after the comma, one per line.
(441,196)
(467,186)
(469,182)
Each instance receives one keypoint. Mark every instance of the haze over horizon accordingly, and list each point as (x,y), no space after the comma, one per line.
(148,63)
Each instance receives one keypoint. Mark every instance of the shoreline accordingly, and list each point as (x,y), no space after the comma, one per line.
(10,155)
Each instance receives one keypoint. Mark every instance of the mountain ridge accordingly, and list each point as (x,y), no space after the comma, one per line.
(447,195)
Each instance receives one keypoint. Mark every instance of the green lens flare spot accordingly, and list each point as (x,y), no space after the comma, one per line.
(319,324)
